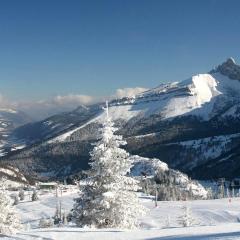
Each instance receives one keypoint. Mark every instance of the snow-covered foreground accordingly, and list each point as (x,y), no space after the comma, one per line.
(213,219)
(226,232)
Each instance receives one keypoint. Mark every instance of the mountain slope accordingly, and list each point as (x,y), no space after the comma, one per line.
(9,120)
(12,176)
(188,125)
(37,132)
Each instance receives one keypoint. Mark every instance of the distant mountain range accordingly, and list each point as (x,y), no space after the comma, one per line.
(193,126)
(10,119)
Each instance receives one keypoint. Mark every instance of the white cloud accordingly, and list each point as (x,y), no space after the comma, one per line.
(73,99)
(4,102)
(62,103)
(128,92)
(45,108)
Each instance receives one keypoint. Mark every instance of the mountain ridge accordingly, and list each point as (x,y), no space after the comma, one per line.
(157,123)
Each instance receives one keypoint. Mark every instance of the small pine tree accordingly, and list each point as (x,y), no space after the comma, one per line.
(186,220)
(227,193)
(210,194)
(168,222)
(15,200)
(9,220)
(28,226)
(21,195)
(64,219)
(46,223)
(233,192)
(190,193)
(42,223)
(57,217)
(35,196)
(108,198)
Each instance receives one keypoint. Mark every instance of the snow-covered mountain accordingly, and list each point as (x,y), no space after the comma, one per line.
(154,169)
(189,125)
(10,119)
(12,176)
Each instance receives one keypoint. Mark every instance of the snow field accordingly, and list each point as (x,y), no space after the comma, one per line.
(215,219)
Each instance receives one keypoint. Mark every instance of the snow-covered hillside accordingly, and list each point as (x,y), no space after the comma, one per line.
(201,150)
(9,120)
(13,177)
(150,168)
(213,220)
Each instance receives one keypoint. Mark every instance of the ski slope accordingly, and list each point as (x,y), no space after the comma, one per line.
(213,219)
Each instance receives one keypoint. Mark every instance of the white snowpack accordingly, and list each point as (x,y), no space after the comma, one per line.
(215,220)
(195,96)
(152,166)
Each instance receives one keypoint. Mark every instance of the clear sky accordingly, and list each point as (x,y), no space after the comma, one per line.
(54,47)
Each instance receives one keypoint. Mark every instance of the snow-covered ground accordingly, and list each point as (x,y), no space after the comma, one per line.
(213,219)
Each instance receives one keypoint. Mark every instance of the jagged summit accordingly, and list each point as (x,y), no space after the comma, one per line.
(231,60)
(229,68)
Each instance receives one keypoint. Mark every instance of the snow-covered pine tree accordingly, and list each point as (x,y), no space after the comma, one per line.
(15,200)
(57,216)
(9,220)
(21,195)
(34,196)
(168,222)
(108,198)
(186,220)
(46,223)
(64,219)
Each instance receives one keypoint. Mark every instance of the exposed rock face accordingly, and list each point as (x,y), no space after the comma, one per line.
(229,68)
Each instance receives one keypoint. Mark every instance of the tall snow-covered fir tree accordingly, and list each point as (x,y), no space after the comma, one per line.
(9,220)
(108,198)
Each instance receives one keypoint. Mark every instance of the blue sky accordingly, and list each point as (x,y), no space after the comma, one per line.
(50,48)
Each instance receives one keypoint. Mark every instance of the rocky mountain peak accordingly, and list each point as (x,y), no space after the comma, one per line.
(230,61)
(229,68)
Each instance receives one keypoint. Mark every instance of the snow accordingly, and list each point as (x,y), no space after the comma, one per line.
(32,212)
(204,88)
(13,172)
(215,219)
(48,122)
(148,165)
(125,112)
(14,184)
(64,136)
(8,171)
(210,147)
(8,110)
(226,232)
(196,96)
(152,166)
(18,147)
